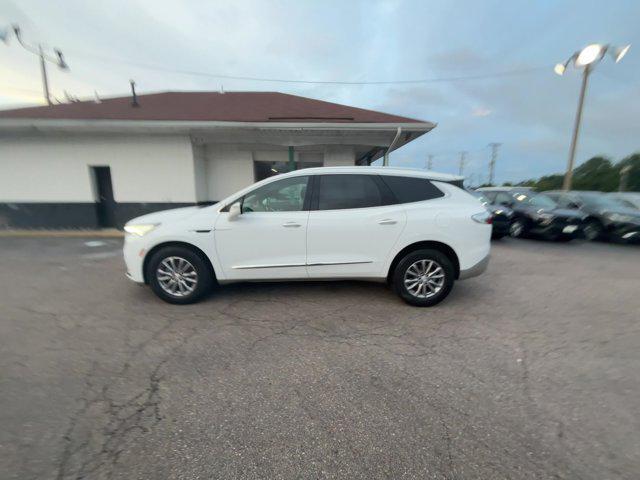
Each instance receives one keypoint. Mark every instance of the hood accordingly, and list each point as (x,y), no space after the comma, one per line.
(630,215)
(166,215)
(629,212)
(566,213)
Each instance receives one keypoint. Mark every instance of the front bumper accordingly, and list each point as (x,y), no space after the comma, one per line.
(625,231)
(133,252)
(476,269)
(559,226)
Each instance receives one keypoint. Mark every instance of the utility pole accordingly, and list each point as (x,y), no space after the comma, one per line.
(624,178)
(463,159)
(492,163)
(430,162)
(58,60)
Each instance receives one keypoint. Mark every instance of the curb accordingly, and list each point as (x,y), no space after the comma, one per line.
(107,233)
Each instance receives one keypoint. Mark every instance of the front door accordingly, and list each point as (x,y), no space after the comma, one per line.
(105,205)
(352,227)
(268,239)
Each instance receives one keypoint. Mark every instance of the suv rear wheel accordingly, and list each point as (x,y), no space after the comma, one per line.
(424,277)
(179,275)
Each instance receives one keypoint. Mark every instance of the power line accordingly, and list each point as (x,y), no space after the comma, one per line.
(506,73)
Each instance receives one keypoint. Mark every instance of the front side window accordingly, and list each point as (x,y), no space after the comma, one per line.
(285,195)
(411,189)
(339,192)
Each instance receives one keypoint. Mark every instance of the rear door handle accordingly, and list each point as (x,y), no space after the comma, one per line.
(291,225)
(387,221)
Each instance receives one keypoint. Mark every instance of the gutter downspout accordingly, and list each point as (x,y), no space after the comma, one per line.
(385,160)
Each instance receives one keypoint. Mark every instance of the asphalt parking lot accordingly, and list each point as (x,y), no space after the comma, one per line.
(530,371)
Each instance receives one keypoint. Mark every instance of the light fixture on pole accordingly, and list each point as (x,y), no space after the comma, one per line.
(37,50)
(585,59)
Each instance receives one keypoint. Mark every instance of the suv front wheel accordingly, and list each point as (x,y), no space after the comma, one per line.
(179,275)
(424,277)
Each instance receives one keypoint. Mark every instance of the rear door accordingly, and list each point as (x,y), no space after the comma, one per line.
(353,225)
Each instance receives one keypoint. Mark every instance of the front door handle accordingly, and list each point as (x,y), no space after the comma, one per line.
(291,225)
(388,221)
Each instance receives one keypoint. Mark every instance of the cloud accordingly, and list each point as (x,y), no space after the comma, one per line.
(481,112)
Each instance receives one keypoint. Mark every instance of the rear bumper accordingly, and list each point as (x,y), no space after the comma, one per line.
(476,269)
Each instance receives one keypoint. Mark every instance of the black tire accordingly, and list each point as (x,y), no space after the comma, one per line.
(204,278)
(408,261)
(517,228)
(593,230)
(497,236)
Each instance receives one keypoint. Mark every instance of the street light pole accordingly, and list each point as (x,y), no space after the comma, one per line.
(586,59)
(568,176)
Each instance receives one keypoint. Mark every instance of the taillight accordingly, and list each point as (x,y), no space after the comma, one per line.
(483,217)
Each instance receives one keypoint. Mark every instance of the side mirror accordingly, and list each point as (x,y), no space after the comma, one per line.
(234,211)
(573,206)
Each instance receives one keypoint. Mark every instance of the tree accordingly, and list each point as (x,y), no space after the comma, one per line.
(597,173)
(633,179)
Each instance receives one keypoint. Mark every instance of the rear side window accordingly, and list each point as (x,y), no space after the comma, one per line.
(339,192)
(411,189)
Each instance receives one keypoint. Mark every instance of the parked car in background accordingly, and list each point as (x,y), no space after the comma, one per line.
(606,217)
(535,214)
(502,216)
(408,227)
(628,199)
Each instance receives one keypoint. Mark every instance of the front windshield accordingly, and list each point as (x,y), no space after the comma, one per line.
(539,200)
(597,200)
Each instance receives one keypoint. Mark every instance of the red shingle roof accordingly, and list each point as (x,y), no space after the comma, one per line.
(210,106)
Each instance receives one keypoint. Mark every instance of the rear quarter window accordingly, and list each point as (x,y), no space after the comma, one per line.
(411,189)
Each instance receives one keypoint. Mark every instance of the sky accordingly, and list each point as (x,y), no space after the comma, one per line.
(512,46)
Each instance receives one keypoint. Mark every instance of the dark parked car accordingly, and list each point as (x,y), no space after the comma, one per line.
(501,216)
(607,217)
(536,214)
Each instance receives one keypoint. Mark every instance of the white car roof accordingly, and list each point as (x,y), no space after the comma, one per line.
(406,172)
(503,189)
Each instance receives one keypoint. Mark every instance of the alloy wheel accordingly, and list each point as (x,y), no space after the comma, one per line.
(424,278)
(516,228)
(177,276)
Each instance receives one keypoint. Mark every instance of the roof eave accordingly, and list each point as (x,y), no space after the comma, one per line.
(172,126)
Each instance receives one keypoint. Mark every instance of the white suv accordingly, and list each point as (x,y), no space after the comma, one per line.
(405,226)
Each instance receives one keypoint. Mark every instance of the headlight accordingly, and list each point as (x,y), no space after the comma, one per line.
(141,229)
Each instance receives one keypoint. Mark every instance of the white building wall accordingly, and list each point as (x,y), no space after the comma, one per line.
(57,169)
(228,170)
(338,156)
(201,173)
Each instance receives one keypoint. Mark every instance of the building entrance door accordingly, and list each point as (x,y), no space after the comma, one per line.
(105,205)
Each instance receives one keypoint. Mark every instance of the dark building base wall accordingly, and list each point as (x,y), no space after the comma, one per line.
(74,215)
